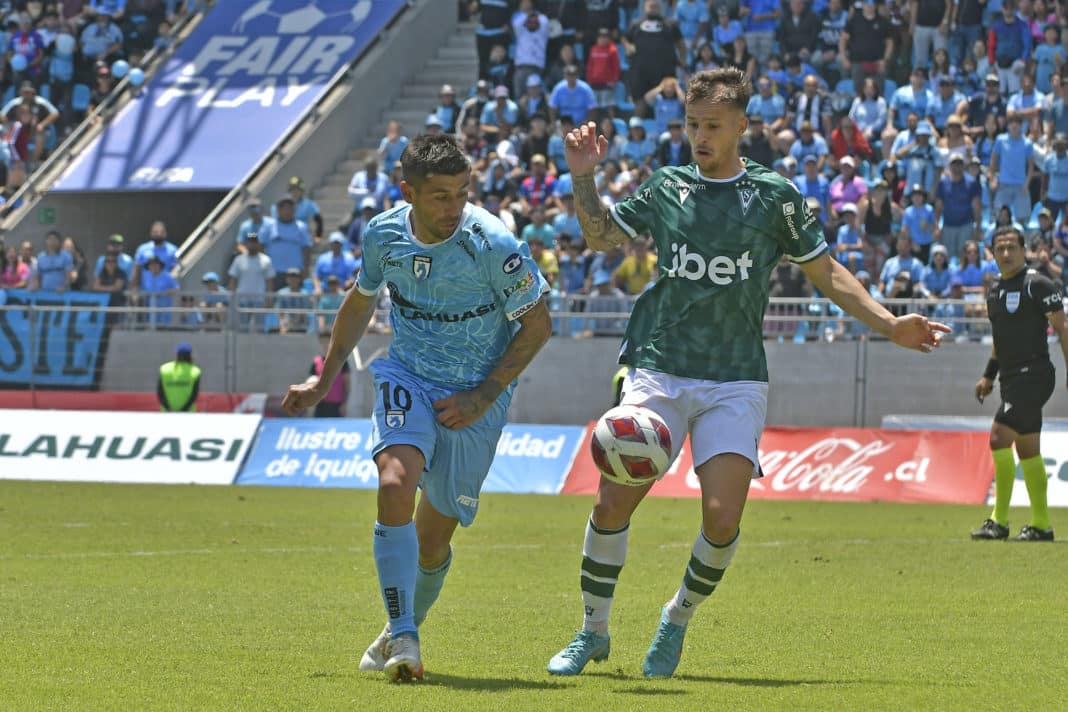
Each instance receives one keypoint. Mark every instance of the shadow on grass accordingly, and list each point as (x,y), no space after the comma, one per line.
(490,684)
(743,681)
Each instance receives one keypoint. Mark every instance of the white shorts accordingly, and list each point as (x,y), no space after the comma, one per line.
(720,416)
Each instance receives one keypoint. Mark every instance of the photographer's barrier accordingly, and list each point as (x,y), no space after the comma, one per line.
(327,452)
(153,448)
(841,464)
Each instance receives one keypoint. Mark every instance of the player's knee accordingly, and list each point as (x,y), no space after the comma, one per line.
(721,522)
(433,550)
(611,511)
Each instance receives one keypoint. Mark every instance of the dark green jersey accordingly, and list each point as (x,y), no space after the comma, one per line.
(717,242)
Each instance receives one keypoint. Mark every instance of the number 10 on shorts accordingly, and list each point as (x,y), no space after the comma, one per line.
(397,408)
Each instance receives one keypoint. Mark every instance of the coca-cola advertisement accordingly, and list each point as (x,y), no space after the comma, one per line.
(841,464)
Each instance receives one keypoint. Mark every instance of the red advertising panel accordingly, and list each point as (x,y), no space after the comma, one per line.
(103,400)
(841,464)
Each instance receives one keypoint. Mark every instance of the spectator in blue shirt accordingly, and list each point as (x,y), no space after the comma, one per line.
(958,205)
(55,268)
(336,261)
(157,246)
(771,106)
(725,31)
(572,97)
(1049,56)
(289,245)
(638,147)
(501,114)
(666,101)
(256,222)
(905,261)
(938,273)
(566,221)
(810,143)
(849,246)
(158,288)
(114,249)
(945,101)
(814,184)
(394,142)
(915,98)
(306,209)
(1009,47)
(1055,177)
(115,8)
(761,18)
(920,159)
(918,222)
(1011,169)
(1026,103)
(693,17)
(101,40)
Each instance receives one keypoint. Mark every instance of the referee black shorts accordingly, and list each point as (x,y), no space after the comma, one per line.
(1023,394)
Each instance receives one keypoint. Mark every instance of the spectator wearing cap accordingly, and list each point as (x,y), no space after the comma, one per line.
(638,147)
(178,384)
(433,125)
(369,183)
(533,103)
(472,107)
(368,209)
(813,184)
(336,261)
(305,209)
(1011,169)
(865,45)
(158,288)
(847,187)
(798,33)
(937,274)
(811,105)
(1045,231)
(500,116)
(809,143)
(256,222)
(572,97)
(945,103)
(531,31)
(114,248)
(929,27)
(787,167)
(674,149)
(289,245)
(849,247)
(293,304)
(157,246)
(604,71)
(918,222)
(989,103)
(958,207)
(919,159)
(770,106)
(903,261)
(394,142)
(915,98)
(1055,178)
(1009,47)
(1027,103)
(447,111)
(656,50)
(755,144)
(214,301)
(537,187)
(101,39)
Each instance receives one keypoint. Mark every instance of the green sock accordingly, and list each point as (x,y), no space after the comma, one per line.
(1004,476)
(1035,477)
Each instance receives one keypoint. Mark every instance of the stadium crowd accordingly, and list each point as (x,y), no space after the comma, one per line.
(57,66)
(912,129)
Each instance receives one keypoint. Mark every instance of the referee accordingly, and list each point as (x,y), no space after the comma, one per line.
(1021,305)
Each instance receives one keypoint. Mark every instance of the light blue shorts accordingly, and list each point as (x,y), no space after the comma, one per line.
(457,461)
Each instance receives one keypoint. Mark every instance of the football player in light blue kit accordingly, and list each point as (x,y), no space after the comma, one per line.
(468,315)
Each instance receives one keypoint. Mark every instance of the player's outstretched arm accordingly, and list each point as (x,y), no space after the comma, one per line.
(584,150)
(464,408)
(911,331)
(352,318)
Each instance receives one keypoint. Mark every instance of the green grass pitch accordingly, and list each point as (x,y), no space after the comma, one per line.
(181,598)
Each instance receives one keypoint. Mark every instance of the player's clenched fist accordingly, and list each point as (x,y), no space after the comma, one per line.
(302,396)
(584,149)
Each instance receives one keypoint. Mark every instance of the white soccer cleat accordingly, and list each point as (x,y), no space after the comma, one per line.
(374,658)
(404,663)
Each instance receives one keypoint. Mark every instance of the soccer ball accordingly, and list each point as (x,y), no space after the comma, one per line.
(631,445)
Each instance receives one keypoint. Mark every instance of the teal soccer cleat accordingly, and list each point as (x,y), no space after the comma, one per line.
(586,646)
(666,648)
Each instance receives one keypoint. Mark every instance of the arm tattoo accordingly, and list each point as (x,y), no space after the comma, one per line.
(598,228)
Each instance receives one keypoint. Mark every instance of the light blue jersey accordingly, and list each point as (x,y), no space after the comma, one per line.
(454,301)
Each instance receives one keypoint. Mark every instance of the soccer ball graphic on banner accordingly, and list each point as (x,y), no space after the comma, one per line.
(631,445)
(301,17)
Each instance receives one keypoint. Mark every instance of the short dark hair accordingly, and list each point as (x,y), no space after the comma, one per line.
(428,155)
(1007,230)
(726,85)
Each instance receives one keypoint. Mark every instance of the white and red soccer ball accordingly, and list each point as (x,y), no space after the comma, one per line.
(631,445)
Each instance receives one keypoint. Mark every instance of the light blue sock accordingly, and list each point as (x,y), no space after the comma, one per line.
(428,585)
(397,559)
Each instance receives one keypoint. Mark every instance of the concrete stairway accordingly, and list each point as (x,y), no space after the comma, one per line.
(455,63)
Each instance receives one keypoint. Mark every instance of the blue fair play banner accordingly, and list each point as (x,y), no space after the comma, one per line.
(233,88)
(328,452)
(57,344)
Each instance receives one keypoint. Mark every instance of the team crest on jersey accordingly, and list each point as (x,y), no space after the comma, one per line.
(421,266)
(748,193)
(395,418)
(684,193)
(1012,302)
